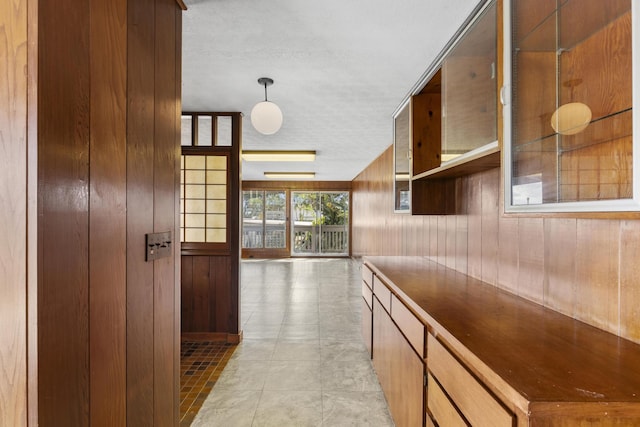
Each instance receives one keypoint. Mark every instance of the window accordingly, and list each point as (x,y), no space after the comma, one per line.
(264,219)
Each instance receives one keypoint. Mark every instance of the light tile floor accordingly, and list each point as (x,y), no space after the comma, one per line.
(302,361)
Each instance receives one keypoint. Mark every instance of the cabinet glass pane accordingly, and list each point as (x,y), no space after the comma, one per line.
(469,89)
(402,142)
(571,101)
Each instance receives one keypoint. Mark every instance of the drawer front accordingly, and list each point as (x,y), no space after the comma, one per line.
(367,326)
(441,407)
(367,294)
(367,275)
(409,324)
(476,404)
(383,293)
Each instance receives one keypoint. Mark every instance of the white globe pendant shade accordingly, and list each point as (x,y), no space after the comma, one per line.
(266,117)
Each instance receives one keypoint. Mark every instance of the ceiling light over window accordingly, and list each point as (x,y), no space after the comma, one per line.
(278,156)
(290,175)
(266,116)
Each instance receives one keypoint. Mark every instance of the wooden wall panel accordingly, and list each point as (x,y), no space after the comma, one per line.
(108,217)
(140,176)
(575,266)
(63,204)
(108,133)
(209,304)
(14,188)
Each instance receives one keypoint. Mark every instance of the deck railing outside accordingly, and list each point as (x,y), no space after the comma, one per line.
(328,239)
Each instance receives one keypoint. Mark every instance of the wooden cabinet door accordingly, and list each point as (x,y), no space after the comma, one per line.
(399,369)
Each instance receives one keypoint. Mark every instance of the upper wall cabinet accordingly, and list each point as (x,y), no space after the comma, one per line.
(569,106)
(453,115)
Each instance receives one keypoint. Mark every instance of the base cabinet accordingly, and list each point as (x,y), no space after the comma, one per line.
(400,370)
(492,358)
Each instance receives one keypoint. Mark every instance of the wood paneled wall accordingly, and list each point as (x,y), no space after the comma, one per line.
(89,129)
(584,268)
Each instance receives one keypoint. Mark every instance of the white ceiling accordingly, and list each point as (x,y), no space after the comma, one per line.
(341,68)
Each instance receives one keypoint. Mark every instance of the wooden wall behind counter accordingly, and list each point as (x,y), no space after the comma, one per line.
(584,268)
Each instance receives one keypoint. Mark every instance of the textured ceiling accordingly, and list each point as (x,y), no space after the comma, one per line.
(341,68)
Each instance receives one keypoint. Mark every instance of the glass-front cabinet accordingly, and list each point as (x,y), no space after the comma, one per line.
(447,126)
(569,99)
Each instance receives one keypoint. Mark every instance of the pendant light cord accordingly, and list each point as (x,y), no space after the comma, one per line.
(265,91)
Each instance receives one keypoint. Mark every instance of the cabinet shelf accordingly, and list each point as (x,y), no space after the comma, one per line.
(481,159)
(600,131)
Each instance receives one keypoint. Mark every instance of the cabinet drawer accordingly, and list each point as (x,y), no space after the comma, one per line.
(441,407)
(367,294)
(477,405)
(367,275)
(383,293)
(409,324)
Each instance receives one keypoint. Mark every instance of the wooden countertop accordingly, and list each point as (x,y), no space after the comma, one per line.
(540,354)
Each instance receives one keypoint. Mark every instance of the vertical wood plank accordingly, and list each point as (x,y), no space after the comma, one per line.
(225,308)
(14,187)
(560,284)
(63,176)
(629,273)
(530,281)
(474,240)
(490,182)
(176,201)
(107,205)
(32,211)
(202,293)
(462,231)
(433,237)
(508,253)
(597,273)
(140,188)
(165,413)
(451,240)
(186,294)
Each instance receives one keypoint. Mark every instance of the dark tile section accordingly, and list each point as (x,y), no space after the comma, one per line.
(201,363)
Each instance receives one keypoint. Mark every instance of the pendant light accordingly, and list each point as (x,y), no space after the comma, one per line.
(266,116)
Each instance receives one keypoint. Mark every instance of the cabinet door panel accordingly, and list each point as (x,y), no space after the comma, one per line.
(399,369)
(367,326)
